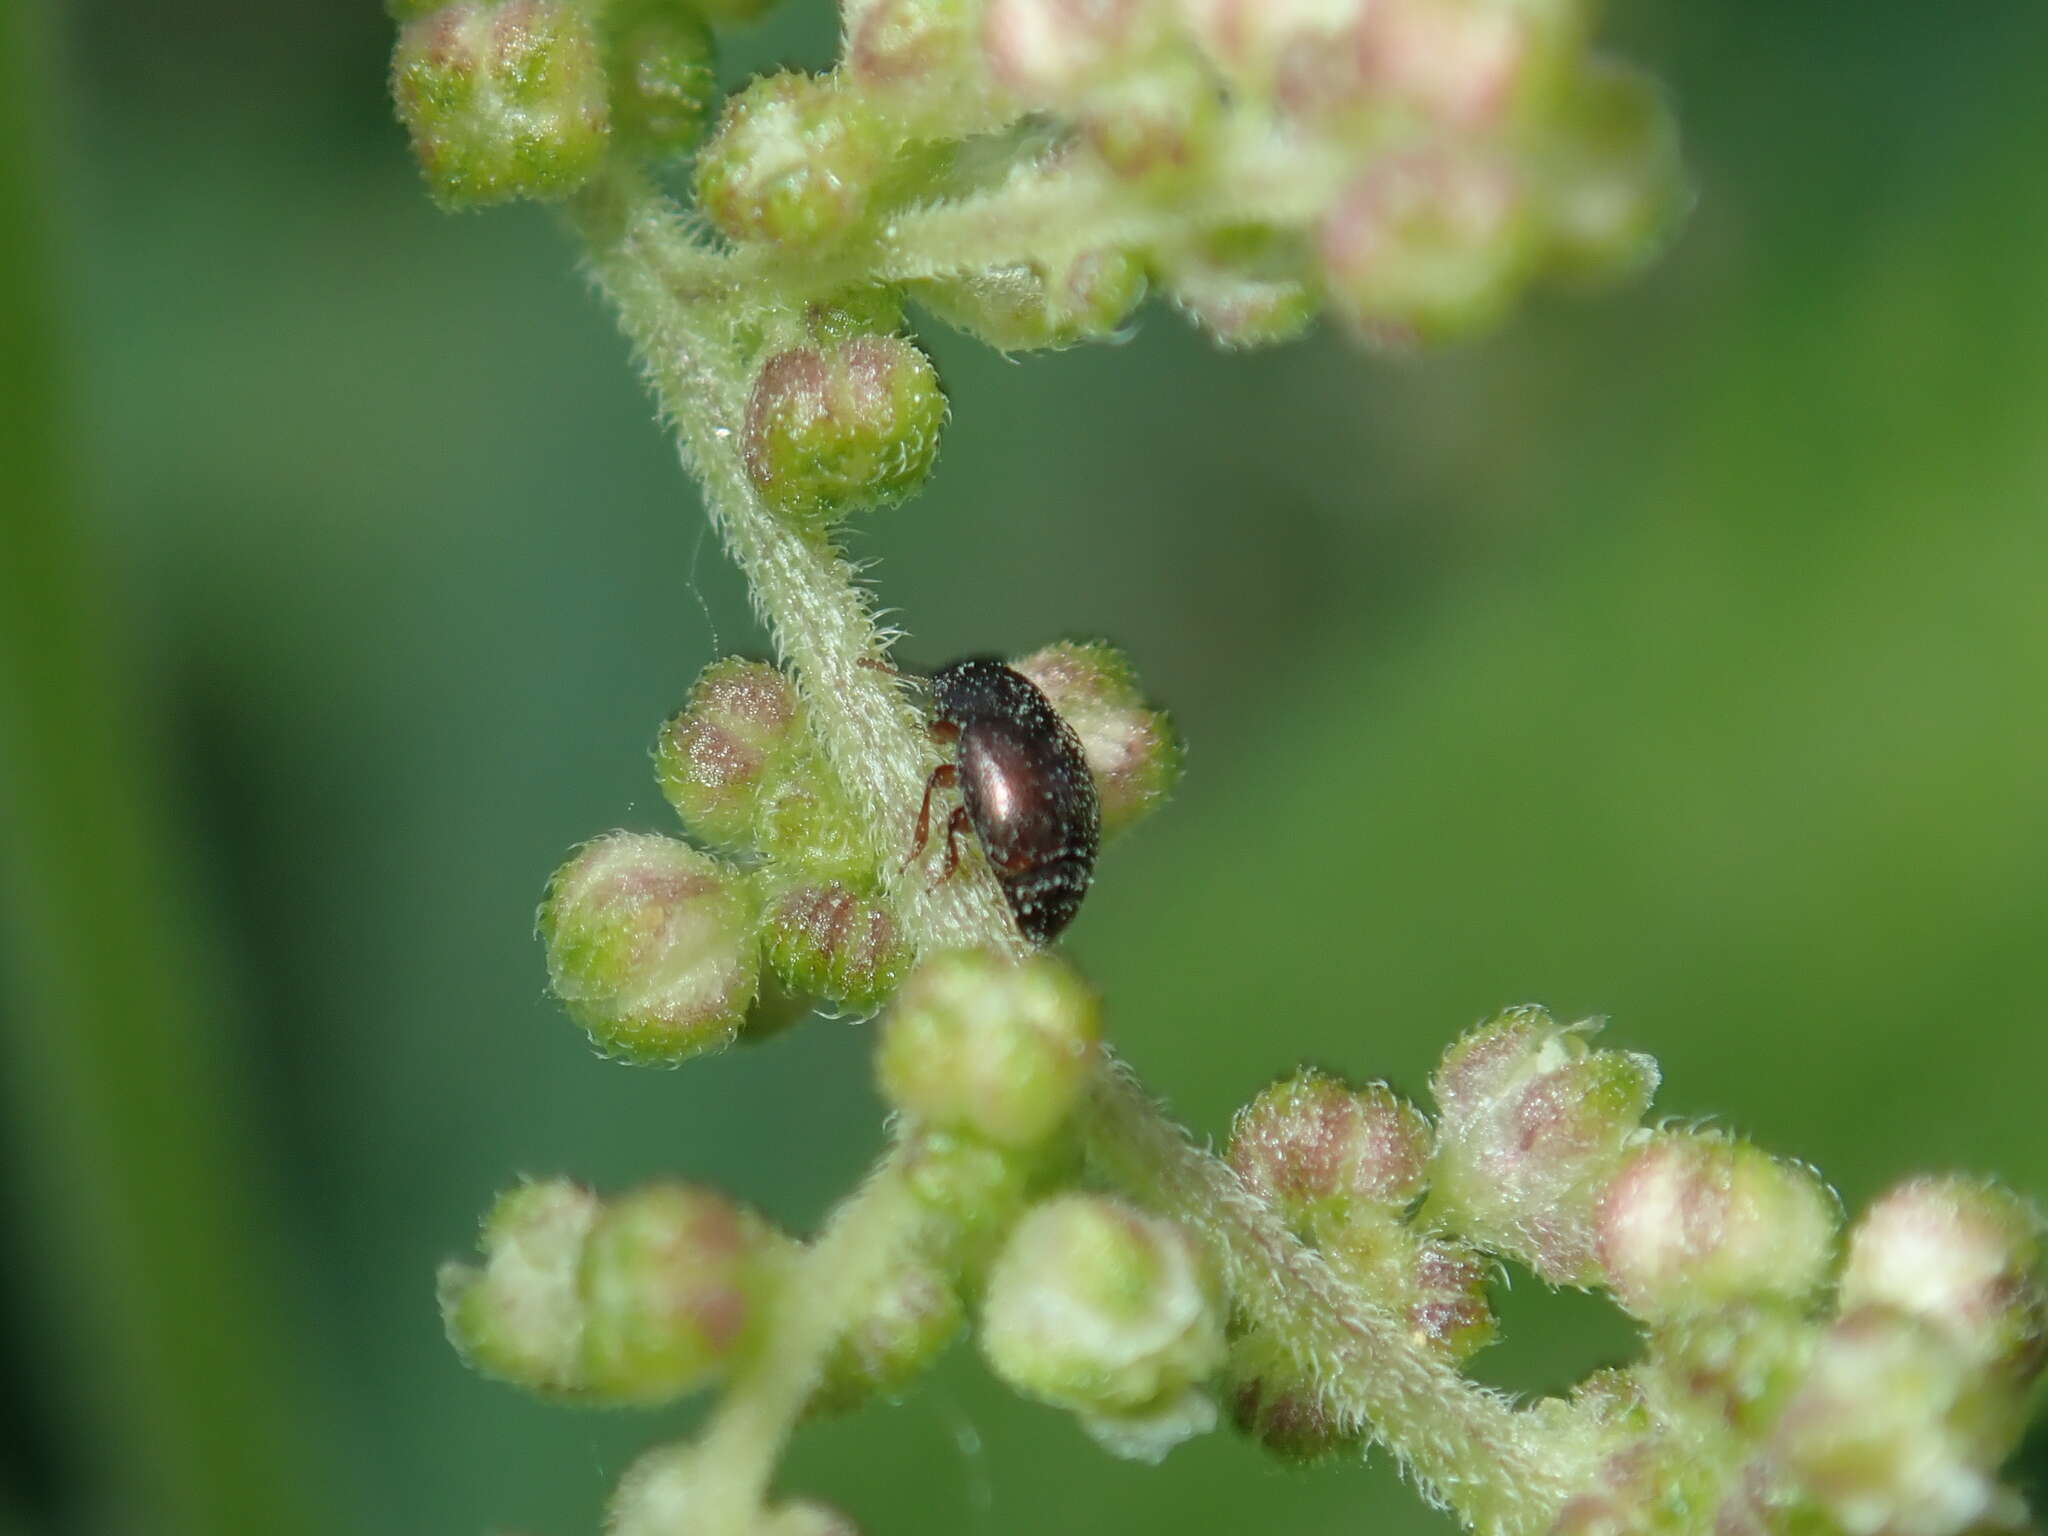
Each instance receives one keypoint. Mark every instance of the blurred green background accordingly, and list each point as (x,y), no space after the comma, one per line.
(1679,656)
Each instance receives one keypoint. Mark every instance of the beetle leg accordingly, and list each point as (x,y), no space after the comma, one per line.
(945,776)
(956,823)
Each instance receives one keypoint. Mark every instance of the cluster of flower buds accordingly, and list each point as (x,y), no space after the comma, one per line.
(1345,1168)
(638,1299)
(661,950)
(508,99)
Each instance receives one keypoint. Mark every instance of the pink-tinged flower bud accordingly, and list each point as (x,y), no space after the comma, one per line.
(1314,1147)
(1049,51)
(736,737)
(796,162)
(1020,309)
(995,1048)
(1096,1306)
(664,74)
(652,946)
(1245,287)
(520,1317)
(1290,1419)
(502,100)
(1693,1222)
(908,48)
(1532,1123)
(1963,1256)
(1737,1365)
(904,1326)
(827,939)
(1133,754)
(1895,1432)
(1615,185)
(1438,1284)
(1427,248)
(1156,127)
(672,1279)
(849,425)
(1470,65)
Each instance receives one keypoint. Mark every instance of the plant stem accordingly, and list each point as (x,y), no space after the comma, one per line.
(1466,1446)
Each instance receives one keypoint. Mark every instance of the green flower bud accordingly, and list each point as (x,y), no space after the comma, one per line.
(1893,1431)
(1156,128)
(796,162)
(520,1317)
(854,424)
(1019,309)
(1736,1366)
(502,100)
(1245,287)
(905,1325)
(995,1048)
(1437,1283)
(1098,1307)
(1533,1122)
(737,736)
(652,946)
(1313,1147)
(974,1188)
(1962,1255)
(1616,186)
(1693,1222)
(672,1278)
(664,73)
(1427,248)
(1133,754)
(829,940)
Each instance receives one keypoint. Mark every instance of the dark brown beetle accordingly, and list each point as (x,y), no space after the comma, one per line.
(1027,792)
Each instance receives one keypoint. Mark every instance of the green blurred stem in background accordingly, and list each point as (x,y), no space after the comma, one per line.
(141,1222)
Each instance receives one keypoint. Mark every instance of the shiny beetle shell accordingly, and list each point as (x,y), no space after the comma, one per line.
(1027,790)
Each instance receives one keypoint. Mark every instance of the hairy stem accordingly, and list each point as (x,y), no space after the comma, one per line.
(1467,1446)
(1464,1444)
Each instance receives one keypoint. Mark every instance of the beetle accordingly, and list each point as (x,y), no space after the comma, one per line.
(1025,789)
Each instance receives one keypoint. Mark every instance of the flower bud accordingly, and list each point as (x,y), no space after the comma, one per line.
(670,1487)
(1019,309)
(973,1188)
(1470,65)
(1693,1221)
(905,1324)
(854,424)
(1737,1364)
(1243,286)
(502,100)
(1133,754)
(909,48)
(1096,1306)
(1892,1431)
(736,736)
(795,162)
(652,946)
(1616,185)
(1963,1256)
(664,73)
(520,1317)
(1437,1284)
(1155,127)
(1248,39)
(1050,51)
(672,1278)
(829,940)
(1426,248)
(1532,1123)
(1313,1148)
(995,1048)
(1289,1418)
